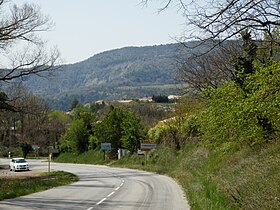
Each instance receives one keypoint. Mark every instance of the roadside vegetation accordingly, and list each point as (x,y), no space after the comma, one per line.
(12,187)
(220,141)
(221,144)
(90,157)
(241,179)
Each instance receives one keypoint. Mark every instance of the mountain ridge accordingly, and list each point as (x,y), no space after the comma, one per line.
(122,73)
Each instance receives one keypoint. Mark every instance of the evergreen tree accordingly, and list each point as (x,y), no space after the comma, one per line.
(244,64)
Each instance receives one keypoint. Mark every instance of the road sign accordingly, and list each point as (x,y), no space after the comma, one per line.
(106,146)
(148,146)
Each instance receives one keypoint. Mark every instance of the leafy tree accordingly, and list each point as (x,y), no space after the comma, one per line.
(110,130)
(76,137)
(233,117)
(121,128)
(86,115)
(57,122)
(78,131)
(131,132)
(265,96)
(167,133)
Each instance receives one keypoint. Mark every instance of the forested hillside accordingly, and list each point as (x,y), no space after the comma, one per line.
(117,74)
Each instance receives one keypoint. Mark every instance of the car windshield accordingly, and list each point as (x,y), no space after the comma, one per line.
(20,161)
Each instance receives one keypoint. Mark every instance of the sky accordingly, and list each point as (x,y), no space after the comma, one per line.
(86,27)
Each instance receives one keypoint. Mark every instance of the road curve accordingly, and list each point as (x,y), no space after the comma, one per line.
(102,187)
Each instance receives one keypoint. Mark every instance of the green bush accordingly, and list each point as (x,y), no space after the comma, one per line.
(251,116)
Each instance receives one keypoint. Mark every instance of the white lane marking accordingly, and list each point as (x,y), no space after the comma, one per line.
(101,201)
(90,208)
(112,193)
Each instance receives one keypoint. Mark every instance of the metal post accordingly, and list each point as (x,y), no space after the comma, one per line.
(49,161)
(146,158)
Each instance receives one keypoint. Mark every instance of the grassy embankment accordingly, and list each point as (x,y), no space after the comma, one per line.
(90,157)
(246,178)
(14,187)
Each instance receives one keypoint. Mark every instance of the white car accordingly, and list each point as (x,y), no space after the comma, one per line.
(19,164)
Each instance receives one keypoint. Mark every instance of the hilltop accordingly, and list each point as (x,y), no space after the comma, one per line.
(129,72)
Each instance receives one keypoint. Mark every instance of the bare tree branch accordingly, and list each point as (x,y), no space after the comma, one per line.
(212,23)
(224,19)
(22,24)
(210,69)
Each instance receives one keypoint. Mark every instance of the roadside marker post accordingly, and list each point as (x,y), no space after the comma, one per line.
(105,147)
(147,147)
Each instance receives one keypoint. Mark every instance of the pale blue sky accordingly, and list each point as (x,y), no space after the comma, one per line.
(86,27)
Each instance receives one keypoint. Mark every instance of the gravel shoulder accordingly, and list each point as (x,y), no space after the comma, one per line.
(6,173)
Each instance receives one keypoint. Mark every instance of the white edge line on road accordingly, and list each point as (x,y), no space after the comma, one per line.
(90,208)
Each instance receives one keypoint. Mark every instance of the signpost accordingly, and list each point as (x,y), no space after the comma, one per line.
(105,147)
(147,147)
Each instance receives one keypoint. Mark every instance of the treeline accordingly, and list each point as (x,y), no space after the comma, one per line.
(122,125)
(29,122)
(31,127)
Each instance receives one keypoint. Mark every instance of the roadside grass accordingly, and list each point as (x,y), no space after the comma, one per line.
(90,157)
(242,178)
(19,186)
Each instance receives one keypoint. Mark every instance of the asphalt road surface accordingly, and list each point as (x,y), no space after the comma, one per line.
(102,187)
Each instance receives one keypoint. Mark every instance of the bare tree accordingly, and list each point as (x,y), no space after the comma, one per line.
(31,116)
(215,23)
(19,26)
(210,69)
(221,20)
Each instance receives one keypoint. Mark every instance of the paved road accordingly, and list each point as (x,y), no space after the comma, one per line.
(102,187)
